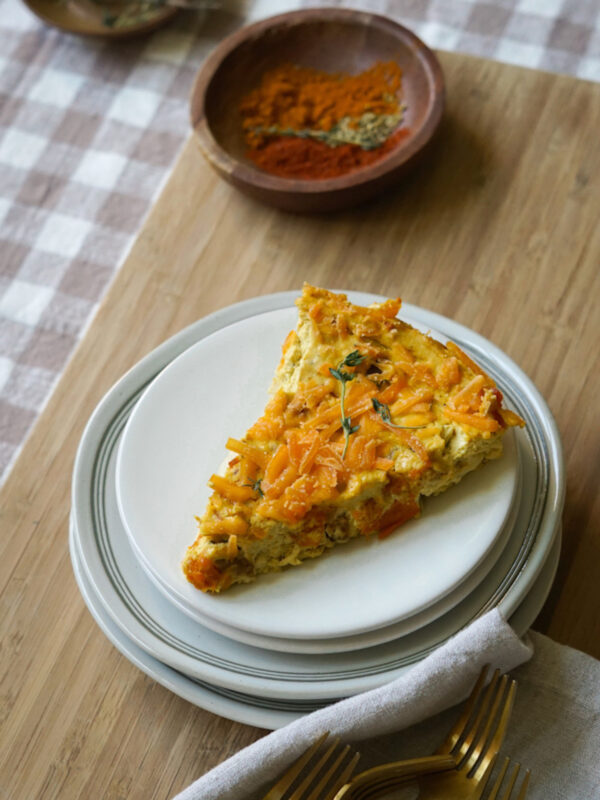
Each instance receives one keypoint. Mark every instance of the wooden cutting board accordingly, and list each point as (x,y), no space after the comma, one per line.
(498,230)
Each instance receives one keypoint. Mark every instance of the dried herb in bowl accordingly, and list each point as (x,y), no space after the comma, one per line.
(309,124)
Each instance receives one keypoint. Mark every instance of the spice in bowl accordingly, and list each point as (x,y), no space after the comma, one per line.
(308,124)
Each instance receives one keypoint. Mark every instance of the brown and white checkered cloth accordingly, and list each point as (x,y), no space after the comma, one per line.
(89,130)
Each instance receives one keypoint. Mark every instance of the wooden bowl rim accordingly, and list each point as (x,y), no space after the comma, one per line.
(245,173)
(87,29)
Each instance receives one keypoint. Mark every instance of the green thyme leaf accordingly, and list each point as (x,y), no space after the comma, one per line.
(382,410)
(340,375)
(257,487)
(348,427)
(351,360)
(384,413)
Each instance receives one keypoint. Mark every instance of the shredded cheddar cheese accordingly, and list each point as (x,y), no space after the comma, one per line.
(366,416)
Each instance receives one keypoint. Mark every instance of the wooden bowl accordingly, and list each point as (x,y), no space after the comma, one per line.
(335,40)
(88,18)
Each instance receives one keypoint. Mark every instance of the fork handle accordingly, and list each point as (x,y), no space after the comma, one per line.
(398,770)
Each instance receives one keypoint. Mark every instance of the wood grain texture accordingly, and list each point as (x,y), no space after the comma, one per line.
(498,231)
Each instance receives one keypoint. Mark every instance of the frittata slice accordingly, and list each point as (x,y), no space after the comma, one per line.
(367,415)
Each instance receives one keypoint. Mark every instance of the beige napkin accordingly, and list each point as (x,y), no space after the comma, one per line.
(434,684)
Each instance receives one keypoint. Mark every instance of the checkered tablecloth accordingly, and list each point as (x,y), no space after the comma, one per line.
(89,130)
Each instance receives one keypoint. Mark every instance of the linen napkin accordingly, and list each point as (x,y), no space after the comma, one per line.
(439,681)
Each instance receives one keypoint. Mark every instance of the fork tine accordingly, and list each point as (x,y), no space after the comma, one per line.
(507,794)
(511,783)
(459,727)
(283,784)
(524,786)
(315,769)
(477,723)
(319,788)
(499,779)
(341,780)
(493,745)
(485,724)
(479,786)
(319,773)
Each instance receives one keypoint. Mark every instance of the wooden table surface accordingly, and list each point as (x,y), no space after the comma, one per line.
(498,230)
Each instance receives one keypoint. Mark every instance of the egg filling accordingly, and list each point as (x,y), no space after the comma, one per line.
(367,415)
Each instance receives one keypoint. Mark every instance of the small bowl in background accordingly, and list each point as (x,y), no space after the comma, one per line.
(116,19)
(329,39)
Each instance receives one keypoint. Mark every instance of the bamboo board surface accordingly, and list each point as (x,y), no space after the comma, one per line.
(498,230)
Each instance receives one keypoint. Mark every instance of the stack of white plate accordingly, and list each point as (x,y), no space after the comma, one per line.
(352,620)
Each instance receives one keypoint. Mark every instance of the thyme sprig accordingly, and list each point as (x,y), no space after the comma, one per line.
(351,360)
(256,485)
(368,131)
(384,412)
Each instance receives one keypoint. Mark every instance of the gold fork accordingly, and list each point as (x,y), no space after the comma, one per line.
(380,779)
(317,774)
(507,795)
(307,780)
(471,745)
(474,741)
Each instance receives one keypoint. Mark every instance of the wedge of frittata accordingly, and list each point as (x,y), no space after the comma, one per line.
(367,415)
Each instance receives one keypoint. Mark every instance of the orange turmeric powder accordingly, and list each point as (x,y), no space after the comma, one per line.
(301,98)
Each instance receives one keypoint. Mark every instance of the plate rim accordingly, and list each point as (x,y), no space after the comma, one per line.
(203,658)
(235,706)
(231,705)
(526,572)
(249,616)
(347,644)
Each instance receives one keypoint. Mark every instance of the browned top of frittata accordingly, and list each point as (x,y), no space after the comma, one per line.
(359,398)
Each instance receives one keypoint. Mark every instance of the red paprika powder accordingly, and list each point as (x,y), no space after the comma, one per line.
(292,157)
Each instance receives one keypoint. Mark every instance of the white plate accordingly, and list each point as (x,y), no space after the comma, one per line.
(343,644)
(168,635)
(175,439)
(247,709)
(154,623)
(239,708)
